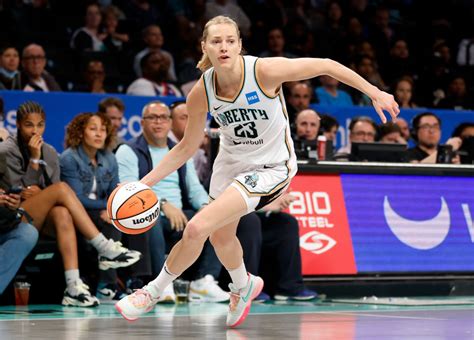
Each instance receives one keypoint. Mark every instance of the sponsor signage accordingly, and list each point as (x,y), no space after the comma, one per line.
(325,240)
(367,223)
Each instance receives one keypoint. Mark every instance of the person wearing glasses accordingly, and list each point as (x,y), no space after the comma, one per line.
(181,196)
(362,129)
(34,75)
(426,132)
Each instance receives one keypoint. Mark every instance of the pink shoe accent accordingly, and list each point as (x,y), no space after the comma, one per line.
(124,316)
(247,309)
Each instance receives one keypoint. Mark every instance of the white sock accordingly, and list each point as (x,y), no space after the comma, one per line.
(100,243)
(239,276)
(157,286)
(72,275)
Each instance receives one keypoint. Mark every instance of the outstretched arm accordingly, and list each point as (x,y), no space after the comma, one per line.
(272,72)
(197,110)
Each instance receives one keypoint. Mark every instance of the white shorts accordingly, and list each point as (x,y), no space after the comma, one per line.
(258,184)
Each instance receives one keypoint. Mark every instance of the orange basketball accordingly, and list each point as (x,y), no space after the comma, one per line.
(133,208)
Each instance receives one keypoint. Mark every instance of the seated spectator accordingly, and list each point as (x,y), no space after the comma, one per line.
(399,63)
(181,196)
(114,108)
(404,128)
(34,165)
(230,9)
(154,82)
(3,132)
(10,78)
(464,130)
(426,132)
(298,98)
(154,40)
(94,78)
(89,37)
(367,69)
(328,127)
(17,237)
(457,96)
(390,133)
(115,39)
(403,93)
(280,264)
(307,125)
(329,94)
(34,75)
(276,45)
(362,129)
(179,119)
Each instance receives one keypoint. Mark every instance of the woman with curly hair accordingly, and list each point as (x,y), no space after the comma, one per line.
(49,203)
(90,169)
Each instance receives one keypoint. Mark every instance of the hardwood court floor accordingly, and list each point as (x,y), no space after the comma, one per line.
(316,320)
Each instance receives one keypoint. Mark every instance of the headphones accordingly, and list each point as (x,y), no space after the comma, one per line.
(415,123)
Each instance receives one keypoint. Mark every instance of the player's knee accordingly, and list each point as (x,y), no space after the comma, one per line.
(195,231)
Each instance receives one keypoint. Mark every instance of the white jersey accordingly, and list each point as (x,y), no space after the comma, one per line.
(254,125)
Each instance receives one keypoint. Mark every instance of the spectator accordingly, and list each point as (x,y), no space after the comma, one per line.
(17,238)
(330,94)
(404,128)
(426,132)
(90,169)
(154,82)
(154,40)
(390,133)
(280,264)
(144,13)
(115,39)
(299,97)
(230,9)
(35,165)
(465,55)
(458,96)
(34,75)
(89,37)
(179,119)
(94,78)
(366,67)
(399,64)
(10,77)
(181,196)
(114,108)
(403,93)
(362,129)
(307,125)
(3,132)
(464,130)
(328,127)
(276,45)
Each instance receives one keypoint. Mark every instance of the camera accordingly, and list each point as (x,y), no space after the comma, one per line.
(16,189)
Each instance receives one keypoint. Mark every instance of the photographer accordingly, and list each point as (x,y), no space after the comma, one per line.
(426,131)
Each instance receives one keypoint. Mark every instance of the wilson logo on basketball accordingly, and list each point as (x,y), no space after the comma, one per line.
(149,218)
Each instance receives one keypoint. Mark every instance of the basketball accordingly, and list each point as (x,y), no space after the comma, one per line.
(133,208)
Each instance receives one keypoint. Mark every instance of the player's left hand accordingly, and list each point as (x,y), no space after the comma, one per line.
(385,101)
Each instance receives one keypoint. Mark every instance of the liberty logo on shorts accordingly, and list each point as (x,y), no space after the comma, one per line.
(251,180)
(252,97)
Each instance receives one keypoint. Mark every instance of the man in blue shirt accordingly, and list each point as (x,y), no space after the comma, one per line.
(181,195)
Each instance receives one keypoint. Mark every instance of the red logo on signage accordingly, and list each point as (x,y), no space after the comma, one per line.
(325,240)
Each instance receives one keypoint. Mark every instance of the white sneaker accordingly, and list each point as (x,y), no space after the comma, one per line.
(136,304)
(168,295)
(117,256)
(206,289)
(241,300)
(79,295)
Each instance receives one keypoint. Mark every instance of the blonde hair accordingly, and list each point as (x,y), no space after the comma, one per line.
(205,62)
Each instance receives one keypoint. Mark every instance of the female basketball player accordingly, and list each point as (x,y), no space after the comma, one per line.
(256,160)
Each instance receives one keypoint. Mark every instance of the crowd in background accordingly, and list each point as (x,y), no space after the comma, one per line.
(151,47)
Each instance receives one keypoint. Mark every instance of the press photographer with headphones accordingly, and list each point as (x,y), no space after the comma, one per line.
(426,132)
